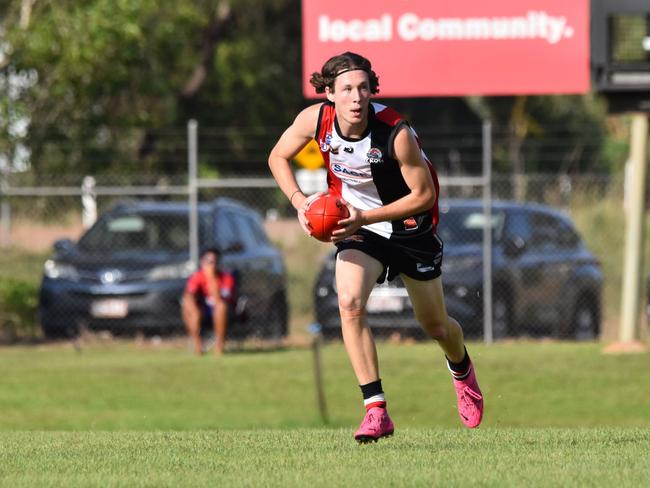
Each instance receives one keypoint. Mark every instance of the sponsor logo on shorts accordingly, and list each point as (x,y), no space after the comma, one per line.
(410,224)
(374,156)
(424,268)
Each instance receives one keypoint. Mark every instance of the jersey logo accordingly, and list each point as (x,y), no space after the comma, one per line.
(374,156)
(348,149)
(325,144)
(351,175)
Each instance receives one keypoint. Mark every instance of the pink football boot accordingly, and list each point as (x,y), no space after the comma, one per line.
(470,400)
(376,424)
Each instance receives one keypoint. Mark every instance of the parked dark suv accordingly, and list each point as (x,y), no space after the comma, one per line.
(128,271)
(545,281)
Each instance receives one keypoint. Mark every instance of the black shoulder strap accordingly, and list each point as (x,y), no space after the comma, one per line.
(393,133)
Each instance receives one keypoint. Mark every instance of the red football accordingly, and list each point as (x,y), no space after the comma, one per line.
(323,215)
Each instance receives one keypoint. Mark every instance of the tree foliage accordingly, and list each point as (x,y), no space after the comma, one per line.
(117,79)
(108,86)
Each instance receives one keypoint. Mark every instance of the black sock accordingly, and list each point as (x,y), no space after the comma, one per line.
(373,395)
(371,389)
(461,370)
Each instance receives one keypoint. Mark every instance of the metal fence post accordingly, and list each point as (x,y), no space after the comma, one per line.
(487,232)
(192,163)
(5,212)
(5,216)
(88,202)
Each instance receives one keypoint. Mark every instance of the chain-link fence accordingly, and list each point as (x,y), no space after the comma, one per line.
(114,252)
(555,264)
(117,258)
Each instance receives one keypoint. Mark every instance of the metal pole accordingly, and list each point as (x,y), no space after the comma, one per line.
(316,330)
(487,232)
(5,217)
(5,211)
(88,202)
(192,163)
(633,260)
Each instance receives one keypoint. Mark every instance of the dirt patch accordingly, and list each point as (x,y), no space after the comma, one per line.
(40,237)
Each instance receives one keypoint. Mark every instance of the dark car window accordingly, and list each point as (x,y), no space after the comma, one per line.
(519,226)
(544,239)
(244,225)
(227,235)
(551,233)
(254,227)
(465,226)
(258,230)
(138,232)
(567,237)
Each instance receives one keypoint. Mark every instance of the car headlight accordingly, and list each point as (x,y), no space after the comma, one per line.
(456,265)
(171,271)
(60,271)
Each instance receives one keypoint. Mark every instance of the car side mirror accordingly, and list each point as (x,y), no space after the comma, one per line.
(514,246)
(63,245)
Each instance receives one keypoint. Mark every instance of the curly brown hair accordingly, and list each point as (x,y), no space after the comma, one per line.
(339,64)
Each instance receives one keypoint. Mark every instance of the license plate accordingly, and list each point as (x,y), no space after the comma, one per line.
(379,303)
(109,309)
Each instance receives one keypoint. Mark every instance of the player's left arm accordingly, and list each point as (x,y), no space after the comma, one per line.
(417,177)
(416,173)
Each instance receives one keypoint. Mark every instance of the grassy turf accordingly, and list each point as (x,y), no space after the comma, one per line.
(126,387)
(133,415)
(327,457)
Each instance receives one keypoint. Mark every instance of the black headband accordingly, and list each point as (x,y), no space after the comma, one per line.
(351,69)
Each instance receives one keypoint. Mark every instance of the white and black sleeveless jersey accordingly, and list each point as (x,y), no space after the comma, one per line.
(365,172)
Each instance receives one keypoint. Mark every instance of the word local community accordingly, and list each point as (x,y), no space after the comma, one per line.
(410,27)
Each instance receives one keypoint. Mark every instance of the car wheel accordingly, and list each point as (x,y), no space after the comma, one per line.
(501,315)
(586,319)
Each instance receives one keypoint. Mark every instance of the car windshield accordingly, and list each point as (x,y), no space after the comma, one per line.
(146,232)
(465,225)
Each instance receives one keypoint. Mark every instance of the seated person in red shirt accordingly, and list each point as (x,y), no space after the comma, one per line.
(208,294)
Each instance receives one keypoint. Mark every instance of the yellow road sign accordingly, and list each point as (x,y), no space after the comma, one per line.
(310,157)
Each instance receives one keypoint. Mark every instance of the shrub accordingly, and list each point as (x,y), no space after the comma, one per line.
(18,304)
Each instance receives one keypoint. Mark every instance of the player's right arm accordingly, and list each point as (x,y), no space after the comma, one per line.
(290,143)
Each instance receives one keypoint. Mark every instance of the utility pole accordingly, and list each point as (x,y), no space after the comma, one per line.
(634,219)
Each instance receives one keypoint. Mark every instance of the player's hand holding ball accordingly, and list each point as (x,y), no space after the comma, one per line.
(323,213)
(302,219)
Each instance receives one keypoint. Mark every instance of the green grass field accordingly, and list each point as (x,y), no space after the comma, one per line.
(123,414)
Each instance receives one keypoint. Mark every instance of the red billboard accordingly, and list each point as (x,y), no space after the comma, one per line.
(454,48)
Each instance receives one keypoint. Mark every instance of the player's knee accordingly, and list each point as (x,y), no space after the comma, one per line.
(188,308)
(438,329)
(350,305)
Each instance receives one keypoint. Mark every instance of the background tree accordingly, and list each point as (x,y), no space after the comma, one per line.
(116,80)
(107,86)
